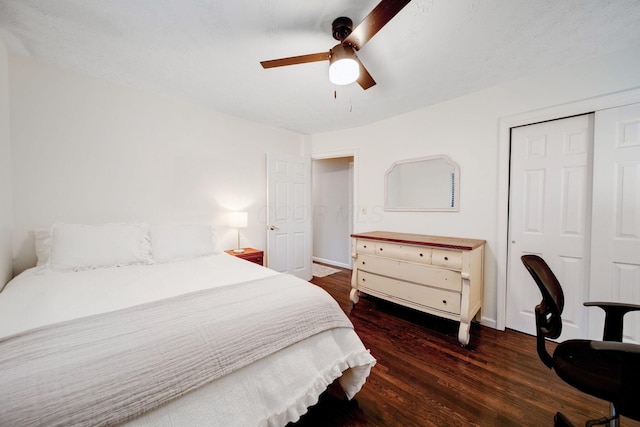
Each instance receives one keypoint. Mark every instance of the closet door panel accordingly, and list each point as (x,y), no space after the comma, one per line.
(615,267)
(549,215)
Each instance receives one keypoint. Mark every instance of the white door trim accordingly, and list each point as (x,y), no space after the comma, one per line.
(504,142)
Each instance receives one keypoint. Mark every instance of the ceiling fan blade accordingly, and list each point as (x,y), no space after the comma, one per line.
(365,80)
(292,60)
(374,21)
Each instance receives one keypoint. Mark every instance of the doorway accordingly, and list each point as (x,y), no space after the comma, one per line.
(332,192)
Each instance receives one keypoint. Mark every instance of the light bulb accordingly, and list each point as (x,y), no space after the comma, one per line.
(344,71)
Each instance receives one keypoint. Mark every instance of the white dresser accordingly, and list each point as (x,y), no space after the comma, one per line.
(438,275)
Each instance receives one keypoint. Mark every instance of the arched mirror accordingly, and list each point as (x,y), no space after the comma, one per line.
(424,184)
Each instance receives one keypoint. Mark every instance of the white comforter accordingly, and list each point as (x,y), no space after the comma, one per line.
(40,296)
(272,391)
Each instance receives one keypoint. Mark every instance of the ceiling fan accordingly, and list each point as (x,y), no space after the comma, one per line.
(345,67)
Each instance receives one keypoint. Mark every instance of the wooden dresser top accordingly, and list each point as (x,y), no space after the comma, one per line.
(422,239)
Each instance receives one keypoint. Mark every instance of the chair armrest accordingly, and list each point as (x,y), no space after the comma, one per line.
(614,316)
(623,347)
(614,305)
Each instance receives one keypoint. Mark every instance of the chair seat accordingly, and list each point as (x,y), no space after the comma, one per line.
(609,375)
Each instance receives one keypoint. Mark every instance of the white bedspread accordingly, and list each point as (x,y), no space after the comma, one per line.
(272,391)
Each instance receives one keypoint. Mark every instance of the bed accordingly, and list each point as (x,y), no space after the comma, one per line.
(136,325)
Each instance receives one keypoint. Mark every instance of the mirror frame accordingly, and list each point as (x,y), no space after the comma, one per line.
(456,186)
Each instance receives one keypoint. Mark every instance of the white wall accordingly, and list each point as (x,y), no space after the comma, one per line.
(6,203)
(466,129)
(332,211)
(90,151)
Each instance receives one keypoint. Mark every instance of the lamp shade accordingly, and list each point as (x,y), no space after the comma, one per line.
(238,219)
(344,68)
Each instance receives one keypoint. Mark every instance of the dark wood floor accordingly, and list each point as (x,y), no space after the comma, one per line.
(425,378)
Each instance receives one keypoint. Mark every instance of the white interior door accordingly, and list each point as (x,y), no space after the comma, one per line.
(615,265)
(549,215)
(289,215)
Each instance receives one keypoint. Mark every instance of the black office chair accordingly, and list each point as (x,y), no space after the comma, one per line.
(608,369)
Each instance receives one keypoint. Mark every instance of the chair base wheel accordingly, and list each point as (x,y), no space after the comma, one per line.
(606,421)
(560,420)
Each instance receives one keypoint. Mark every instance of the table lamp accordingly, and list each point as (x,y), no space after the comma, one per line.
(238,220)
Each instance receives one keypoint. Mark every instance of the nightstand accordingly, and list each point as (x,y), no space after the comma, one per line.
(249,254)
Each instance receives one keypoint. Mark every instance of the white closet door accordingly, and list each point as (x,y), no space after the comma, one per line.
(549,215)
(615,266)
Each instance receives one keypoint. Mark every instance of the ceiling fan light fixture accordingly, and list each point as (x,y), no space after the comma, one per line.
(344,68)
(344,65)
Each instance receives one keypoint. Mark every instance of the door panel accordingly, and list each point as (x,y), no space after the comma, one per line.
(615,267)
(549,215)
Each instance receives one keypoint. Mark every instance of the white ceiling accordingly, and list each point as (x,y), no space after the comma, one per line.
(208,51)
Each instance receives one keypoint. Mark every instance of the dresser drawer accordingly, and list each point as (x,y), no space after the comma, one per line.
(404,252)
(427,296)
(365,247)
(431,297)
(377,283)
(411,272)
(449,259)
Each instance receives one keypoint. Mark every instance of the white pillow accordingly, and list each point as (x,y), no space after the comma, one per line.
(174,242)
(43,245)
(78,247)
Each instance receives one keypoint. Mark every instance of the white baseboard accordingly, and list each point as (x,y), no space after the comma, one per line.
(333,263)
(489,322)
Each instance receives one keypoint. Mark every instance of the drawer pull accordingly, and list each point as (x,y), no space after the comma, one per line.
(365,246)
(444,301)
(363,263)
(446,258)
(364,280)
(381,249)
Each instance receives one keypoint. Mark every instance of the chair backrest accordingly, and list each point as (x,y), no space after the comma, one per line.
(549,311)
